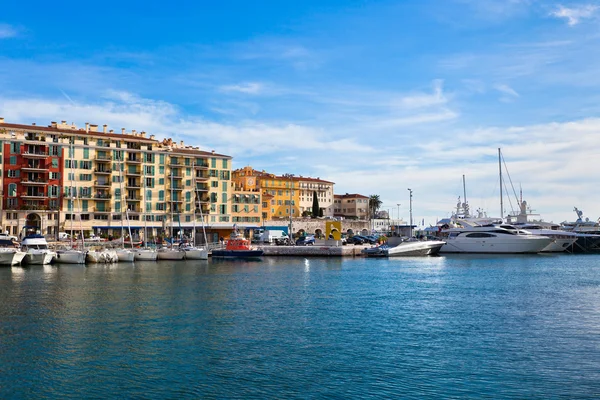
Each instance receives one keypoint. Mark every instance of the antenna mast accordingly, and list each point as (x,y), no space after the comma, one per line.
(500,169)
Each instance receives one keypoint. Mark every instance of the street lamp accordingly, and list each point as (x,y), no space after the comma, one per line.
(398,219)
(291,178)
(410,191)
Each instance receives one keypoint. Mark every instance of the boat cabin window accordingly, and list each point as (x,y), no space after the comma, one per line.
(504,232)
(480,235)
(453,234)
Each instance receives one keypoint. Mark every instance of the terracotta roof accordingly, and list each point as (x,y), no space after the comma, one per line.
(197,152)
(350,196)
(80,131)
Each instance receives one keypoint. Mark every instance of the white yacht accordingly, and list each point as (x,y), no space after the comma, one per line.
(70,256)
(493,239)
(37,250)
(146,254)
(10,254)
(561,240)
(125,255)
(194,253)
(170,253)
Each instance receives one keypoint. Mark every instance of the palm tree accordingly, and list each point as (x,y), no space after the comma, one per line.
(374,204)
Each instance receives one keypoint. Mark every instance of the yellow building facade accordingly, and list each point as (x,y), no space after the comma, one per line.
(106,183)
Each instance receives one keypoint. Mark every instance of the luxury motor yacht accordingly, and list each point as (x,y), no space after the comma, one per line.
(493,239)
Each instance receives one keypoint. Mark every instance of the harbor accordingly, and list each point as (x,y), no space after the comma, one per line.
(519,326)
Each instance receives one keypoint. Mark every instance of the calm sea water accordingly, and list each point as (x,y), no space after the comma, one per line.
(440,327)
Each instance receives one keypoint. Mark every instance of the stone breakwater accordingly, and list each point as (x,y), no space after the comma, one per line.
(314,251)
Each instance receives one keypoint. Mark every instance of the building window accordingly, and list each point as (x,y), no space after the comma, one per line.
(13,173)
(12,190)
(13,160)
(15,147)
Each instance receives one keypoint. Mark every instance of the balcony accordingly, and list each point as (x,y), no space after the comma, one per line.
(32,195)
(175,200)
(133,172)
(201,188)
(102,210)
(176,187)
(175,176)
(104,158)
(132,199)
(134,160)
(132,185)
(102,184)
(35,154)
(202,177)
(34,167)
(102,171)
(33,182)
(201,166)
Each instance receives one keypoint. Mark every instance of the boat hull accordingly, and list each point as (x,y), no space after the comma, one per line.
(70,257)
(510,245)
(124,255)
(559,245)
(412,249)
(172,255)
(102,257)
(12,257)
(146,255)
(237,253)
(39,258)
(196,254)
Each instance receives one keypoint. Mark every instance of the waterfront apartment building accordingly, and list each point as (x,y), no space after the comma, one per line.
(62,178)
(352,206)
(286,195)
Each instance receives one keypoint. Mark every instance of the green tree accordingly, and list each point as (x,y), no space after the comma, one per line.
(315,205)
(374,204)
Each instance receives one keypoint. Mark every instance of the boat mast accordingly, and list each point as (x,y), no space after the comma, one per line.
(464,194)
(195,202)
(500,170)
(144,205)
(199,205)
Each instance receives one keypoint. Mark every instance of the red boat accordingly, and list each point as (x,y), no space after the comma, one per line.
(237,247)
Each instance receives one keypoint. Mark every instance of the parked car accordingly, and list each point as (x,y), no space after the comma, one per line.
(355,240)
(306,241)
(365,239)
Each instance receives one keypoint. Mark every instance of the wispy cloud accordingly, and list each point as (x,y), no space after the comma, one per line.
(574,15)
(247,87)
(508,93)
(7,31)
(423,100)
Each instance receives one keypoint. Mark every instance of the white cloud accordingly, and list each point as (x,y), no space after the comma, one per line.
(423,100)
(574,15)
(509,93)
(247,87)
(7,31)
(551,161)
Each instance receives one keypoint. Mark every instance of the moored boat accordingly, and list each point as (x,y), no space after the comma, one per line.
(237,247)
(169,253)
(105,256)
(493,239)
(145,254)
(10,253)
(37,250)
(70,256)
(125,255)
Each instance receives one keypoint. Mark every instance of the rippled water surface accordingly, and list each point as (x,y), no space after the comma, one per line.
(440,327)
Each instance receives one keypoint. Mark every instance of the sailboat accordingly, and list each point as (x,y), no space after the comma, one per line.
(123,254)
(191,251)
(145,253)
(72,255)
(171,253)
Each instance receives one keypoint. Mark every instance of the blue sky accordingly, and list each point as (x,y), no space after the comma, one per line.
(376,96)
